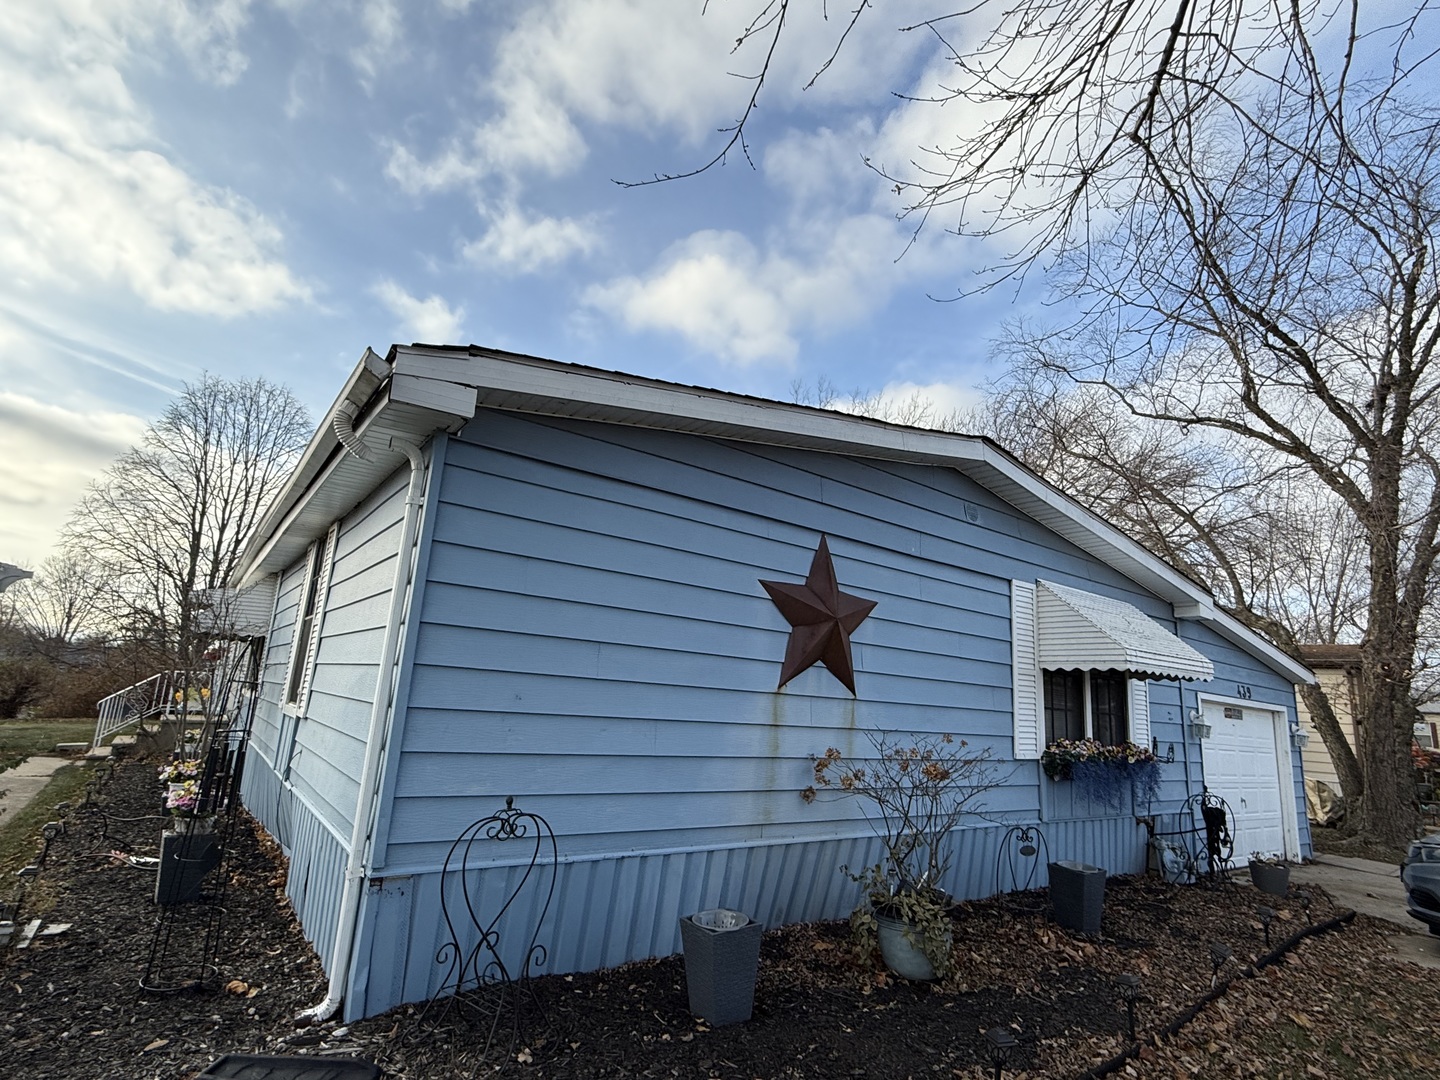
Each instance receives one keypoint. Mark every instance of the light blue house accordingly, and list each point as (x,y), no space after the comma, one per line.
(498,576)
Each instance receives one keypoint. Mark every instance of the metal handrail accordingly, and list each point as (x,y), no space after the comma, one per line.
(150,697)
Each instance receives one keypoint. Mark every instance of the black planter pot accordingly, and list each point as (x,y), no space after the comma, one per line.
(185,859)
(1077,895)
(722,956)
(1272,878)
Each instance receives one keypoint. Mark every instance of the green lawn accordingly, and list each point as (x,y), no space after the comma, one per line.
(20,832)
(20,739)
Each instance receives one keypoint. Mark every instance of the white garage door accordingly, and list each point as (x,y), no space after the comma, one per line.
(1241,767)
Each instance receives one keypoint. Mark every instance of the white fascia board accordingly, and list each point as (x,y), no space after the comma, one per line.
(338,480)
(1240,635)
(518,383)
(370,371)
(650,403)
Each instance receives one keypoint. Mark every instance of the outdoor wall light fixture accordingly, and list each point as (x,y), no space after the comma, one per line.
(1266,914)
(1000,1044)
(1198,727)
(1130,994)
(1219,954)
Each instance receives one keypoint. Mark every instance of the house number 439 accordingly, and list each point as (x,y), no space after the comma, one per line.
(1243,692)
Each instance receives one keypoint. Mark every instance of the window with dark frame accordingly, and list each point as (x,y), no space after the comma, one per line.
(300,648)
(1086,704)
(1064,705)
(1109,704)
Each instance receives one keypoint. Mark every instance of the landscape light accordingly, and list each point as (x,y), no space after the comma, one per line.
(1218,955)
(1266,914)
(1130,994)
(999,1044)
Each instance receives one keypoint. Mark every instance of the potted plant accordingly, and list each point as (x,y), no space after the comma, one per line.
(1270,873)
(1104,773)
(189,848)
(176,773)
(914,792)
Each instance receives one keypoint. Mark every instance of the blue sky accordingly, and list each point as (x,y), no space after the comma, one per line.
(266,187)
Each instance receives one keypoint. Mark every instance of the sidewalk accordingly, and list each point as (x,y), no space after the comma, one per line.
(22,783)
(1374,889)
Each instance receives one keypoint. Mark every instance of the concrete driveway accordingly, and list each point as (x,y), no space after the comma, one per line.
(1373,888)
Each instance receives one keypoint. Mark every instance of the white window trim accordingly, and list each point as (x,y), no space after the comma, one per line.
(305,653)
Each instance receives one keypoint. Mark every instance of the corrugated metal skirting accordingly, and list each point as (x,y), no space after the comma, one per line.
(317,855)
(609,911)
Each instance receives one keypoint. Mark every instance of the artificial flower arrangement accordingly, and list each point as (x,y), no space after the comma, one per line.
(1103,773)
(177,772)
(183,801)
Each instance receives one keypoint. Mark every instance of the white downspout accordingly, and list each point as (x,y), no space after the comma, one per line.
(360,833)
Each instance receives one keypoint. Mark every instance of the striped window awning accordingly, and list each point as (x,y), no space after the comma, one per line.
(1078,629)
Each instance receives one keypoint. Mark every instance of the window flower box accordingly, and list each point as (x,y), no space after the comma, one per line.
(1104,773)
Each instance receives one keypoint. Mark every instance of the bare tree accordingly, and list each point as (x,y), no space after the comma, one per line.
(1238,201)
(58,606)
(170,518)
(1279,550)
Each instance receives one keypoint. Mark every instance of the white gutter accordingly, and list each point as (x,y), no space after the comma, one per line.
(361,833)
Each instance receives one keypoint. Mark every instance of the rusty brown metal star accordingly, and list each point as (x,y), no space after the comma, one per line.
(822,618)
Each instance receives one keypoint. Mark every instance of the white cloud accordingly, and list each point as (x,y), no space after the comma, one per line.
(88,195)
(725,296)
(383,44)
(527,245)
(47,456)
(708,289)
(938,400)
(431,320)
(641,65)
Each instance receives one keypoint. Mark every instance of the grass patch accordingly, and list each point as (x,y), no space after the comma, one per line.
(20,838)
(20,739)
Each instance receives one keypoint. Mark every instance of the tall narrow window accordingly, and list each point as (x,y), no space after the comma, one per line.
(300,647)
(1108,694)
(1064,705)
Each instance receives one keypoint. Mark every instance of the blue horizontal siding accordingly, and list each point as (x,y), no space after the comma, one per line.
(588,584)
(275,666)
(330,739)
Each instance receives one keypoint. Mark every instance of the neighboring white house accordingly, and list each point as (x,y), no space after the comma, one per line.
(1337,667)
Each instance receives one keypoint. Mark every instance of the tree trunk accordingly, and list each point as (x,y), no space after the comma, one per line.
(1388,813)
(1387,808)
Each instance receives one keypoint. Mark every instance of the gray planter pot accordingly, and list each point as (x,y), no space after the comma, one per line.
(1077,895)
(185,859)
(1270,878)
(902,955)
(722,956)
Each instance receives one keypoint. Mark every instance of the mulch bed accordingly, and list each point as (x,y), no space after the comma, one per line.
(1338,1005)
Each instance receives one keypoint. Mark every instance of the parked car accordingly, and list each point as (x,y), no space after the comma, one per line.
(1421,874)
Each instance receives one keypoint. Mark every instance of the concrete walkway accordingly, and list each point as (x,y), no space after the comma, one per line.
(18,786)
(1373,888)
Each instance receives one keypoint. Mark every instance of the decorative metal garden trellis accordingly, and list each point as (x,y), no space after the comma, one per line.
(1023,850)
(185,946)
(484,978)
